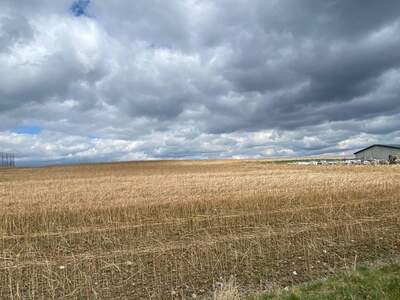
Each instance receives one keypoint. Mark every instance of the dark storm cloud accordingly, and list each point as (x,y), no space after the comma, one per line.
(14,29)
(158,23)
(199,78)
(331,19)
(312,47)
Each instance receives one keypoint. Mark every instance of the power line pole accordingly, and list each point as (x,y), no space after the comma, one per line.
(7,160)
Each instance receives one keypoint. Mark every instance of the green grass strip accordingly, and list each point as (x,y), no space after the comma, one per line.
(364,283)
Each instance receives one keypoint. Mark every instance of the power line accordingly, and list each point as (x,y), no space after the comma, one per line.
(7,160)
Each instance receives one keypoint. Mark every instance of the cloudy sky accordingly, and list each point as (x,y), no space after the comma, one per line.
(100,81)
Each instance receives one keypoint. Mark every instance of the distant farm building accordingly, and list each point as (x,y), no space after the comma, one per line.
(378,152)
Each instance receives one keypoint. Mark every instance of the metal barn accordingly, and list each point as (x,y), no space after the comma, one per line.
(378,152)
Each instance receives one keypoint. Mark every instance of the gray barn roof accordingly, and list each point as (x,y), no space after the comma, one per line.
(379,145)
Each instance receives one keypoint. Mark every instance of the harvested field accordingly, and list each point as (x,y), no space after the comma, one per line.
(166,230)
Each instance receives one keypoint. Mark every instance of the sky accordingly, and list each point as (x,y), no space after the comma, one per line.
(86,81)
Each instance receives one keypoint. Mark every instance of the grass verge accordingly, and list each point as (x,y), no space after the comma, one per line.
(364,283)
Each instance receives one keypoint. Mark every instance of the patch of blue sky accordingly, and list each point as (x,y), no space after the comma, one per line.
(28,130)
(79,7)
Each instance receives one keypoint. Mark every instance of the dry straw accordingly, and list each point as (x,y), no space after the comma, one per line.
(142,230)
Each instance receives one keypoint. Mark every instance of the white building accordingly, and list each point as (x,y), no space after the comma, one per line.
(379,152)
